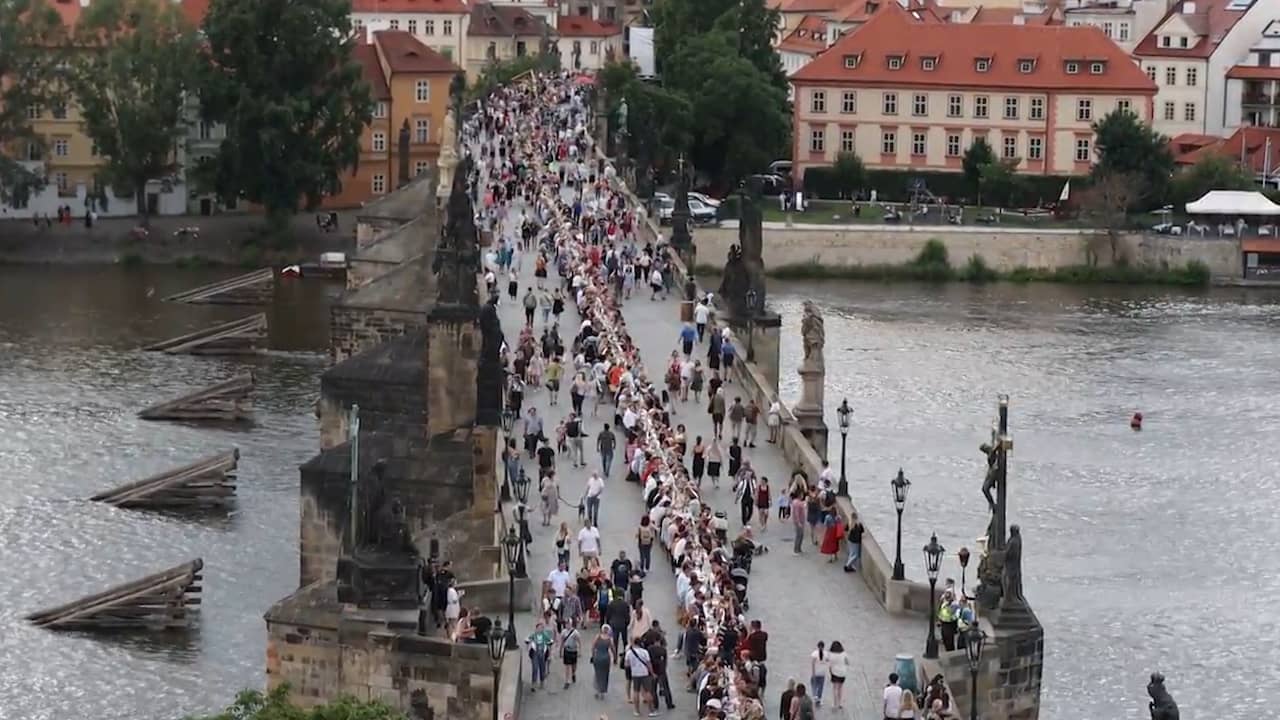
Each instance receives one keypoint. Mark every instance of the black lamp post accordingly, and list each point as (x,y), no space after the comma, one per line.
(508,422)
(497,649)
(974,639)
(964,563)
(751,325)
(522,497)
(844,412)
(900,485)
(511,553)
(932,561)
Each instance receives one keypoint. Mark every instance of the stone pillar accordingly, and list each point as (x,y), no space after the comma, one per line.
(765,341)
(453,352)
(808,411)
(484,470)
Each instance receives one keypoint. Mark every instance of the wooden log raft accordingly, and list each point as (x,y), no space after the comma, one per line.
(163,601)
(254,288)
(237,337)
(205,483)
(229,401)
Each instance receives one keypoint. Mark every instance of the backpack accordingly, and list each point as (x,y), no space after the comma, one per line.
(806,708)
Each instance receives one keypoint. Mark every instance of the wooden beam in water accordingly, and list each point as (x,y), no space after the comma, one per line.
(228,401)
(237,337)
(253,288)
(204,483)
(161,601)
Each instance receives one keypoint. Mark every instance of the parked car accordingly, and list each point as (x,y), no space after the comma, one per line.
(770,185)
(700,212)
(665,206)
(704,199)
(780,167)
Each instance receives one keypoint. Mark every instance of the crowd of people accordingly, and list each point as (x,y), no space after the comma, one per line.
(540,194)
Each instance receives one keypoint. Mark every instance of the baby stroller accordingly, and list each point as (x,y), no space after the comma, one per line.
(740,578)
(743,551)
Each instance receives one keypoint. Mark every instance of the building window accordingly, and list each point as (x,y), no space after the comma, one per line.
(851,61)
(849,102)
(420,167)
(1124,32)
(1171,76)
(1082,150)
(358,24)
(379,110)
(428,27)
(203,130)
(982,64)
(1084,110)
(1096,68)
(422,91)
(818,141)
(59,111)
(895,62)
(890,103)
(1170,110)
(1011,108)
(955,106)
(919,144)
(595,47)
(446,27)
(1182,41)
(413,27)
(34,151)
(1010,151)
(61,181)
(953,145)
(920,105)
(422,130)
(33,112)
(1189,112)
(980,106)
(1035,148)
(1026,66)
(1123,105)
(395,24)
(61,147)
(889,142)
(1151,72)
(928,63)
(1037,108)
(379,184)
(1193,77)
(818,102)
(1166,41)
(1107,28)
(846,141)
(379,142)
(1073,68)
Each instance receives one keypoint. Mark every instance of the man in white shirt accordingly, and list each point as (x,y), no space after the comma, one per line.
(595,488)
(827,476)
(589,543)
(701,314)
(559,579)
(640,665)
(892,698)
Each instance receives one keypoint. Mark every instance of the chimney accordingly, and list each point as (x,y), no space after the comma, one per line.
(1188,8)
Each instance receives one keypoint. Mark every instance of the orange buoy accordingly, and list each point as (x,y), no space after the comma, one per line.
(1136,421)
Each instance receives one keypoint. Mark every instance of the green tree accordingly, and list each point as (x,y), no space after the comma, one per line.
(132,64)
(282,78)
(848,173)
(275,705)
(28,30)
(1110,197)
(659,121)
(976,158)
(1000,181)
(1127,146)
(1213,172)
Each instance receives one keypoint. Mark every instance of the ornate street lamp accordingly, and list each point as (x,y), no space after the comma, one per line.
(751,325)
(508,422)
(497,649)
(974,639)
(522,497)
(964,563)
(511,553)
(900,485)
(845,413)
(932,561)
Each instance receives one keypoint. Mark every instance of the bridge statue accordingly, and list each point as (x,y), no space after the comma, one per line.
(1162,706)
(457,255)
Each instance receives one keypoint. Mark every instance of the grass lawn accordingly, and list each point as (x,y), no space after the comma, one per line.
(839,212)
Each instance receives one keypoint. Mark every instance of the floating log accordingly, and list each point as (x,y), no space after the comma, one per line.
(228,401)
(232,338)
(163,601)
(204,483)
(253,288)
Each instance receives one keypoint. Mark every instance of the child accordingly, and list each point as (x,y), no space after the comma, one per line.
(784,505)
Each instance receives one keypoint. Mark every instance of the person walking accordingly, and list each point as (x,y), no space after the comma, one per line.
(658,662)
(716,409)
(699,462)
(603,657)
(530,306)
(696,380)
(715,458)
(570,640)
(606,443)
(839,670)
(645,536)
(591,498)
(763,499)
(688,336)
(574,431)
(737,414)
(552,374)
(618,614)
(641,670)
(854,543)
(540,642)
(797,519)
(819,666)
(549,491)
(774,420)
(701,315)
(784,703)
(532,432)
(831,534)
(751,423)
(589,543)
(735,458)
(745,487)
(802,705)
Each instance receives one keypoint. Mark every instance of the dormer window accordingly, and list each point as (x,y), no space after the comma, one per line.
(1073,68)
(1182,41)
(982,64)
(1026,66)
(1166,41)
(1096,68)
(895,62)
(928,63)
(851,61)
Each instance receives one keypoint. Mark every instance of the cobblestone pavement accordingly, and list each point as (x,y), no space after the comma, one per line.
(800,600)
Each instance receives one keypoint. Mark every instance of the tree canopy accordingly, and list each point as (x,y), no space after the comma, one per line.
(977,157)
(1213,172)
(28,30)
(849,172)
(275,705)
(1130,148)
(282,78)
(133,64)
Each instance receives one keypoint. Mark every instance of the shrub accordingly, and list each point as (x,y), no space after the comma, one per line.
(977,271)
(130,260)
(934,252)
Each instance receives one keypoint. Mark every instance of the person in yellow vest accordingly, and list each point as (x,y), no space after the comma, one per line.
(947,620)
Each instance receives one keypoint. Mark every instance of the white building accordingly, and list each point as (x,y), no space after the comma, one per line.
(586,44)
(1253,85)
(1188,54)
(441,25)
(1126,22)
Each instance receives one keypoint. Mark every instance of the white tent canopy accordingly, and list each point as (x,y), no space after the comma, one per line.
(1233,202)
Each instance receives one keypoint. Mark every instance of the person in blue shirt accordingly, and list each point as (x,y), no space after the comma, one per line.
(688,336)
(727,354)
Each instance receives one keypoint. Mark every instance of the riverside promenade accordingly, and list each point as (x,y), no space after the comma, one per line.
(799,600)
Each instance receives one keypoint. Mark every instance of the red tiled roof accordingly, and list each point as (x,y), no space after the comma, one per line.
(1247,142)
(195,11)
(445,7)
(583,26)
(1212,20)
(371,71)
(490,21)
(956,49)
(860,11)
(809,36)
(405,54)
(1253,72)
(806,6)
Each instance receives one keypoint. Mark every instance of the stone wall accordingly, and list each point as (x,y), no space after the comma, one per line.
(1003,249)
(1009,674)
(352,330)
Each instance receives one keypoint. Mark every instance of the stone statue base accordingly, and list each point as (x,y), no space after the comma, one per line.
(809,411)
(1014,615)
(380,580)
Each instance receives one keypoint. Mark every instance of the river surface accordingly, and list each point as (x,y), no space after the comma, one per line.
(1142,551)
(71,380)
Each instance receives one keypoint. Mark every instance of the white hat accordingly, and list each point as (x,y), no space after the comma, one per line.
(713,703)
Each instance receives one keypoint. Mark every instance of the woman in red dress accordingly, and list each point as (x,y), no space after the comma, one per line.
(831,539)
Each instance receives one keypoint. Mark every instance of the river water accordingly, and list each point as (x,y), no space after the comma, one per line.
(71,380)
(1151,550)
